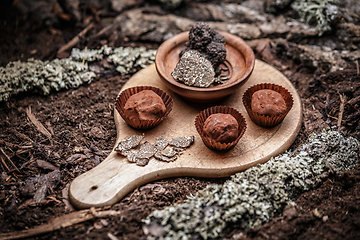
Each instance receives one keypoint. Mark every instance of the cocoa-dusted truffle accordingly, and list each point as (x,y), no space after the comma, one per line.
(268,102)
(221,127)
(145,105)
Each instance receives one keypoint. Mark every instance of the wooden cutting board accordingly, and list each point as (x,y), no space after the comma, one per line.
(112,179)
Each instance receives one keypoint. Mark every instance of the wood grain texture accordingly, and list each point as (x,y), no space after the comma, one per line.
(112,179)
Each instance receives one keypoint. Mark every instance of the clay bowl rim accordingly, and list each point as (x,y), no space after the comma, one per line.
(180,38)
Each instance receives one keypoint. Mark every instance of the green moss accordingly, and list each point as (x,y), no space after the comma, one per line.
(255,196)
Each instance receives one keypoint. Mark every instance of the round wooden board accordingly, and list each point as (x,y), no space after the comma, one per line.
(112,179)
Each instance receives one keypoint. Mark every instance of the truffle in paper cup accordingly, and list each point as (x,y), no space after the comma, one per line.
(267,120)
(138,123)
(208,141)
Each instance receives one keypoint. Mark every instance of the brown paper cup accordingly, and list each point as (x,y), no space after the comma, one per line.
(211,143)
(267,120)
(137,123)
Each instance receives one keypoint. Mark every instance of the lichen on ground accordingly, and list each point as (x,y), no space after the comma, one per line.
(126,60)
(46,76)
(42,76)
(317,12)
(255,196)
(90,55)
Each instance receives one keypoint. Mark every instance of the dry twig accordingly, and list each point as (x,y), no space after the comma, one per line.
(32,160)
(75,40)
(37,124)
(60,222)
(354,100)
(11,145)
(22,136)
(103,31)
(111,236)
(341,110)
(4,163)
(8,158)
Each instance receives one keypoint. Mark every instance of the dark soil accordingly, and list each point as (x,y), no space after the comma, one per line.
(83,134)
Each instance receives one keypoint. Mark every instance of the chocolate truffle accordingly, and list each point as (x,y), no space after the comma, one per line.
(145,105)
(268,102)
(221,127)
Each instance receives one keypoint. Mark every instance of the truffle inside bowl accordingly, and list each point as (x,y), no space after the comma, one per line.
(240,60)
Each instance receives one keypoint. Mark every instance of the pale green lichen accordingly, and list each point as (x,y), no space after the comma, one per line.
(317,12)
(255,196)
(126,60)
(46,76)
(90,55)
(42,76)
(129,59)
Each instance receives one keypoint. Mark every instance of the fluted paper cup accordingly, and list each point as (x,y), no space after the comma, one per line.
(211,143)
(267,120)
(135,122)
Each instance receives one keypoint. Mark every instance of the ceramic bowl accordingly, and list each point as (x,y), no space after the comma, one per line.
(240,60)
